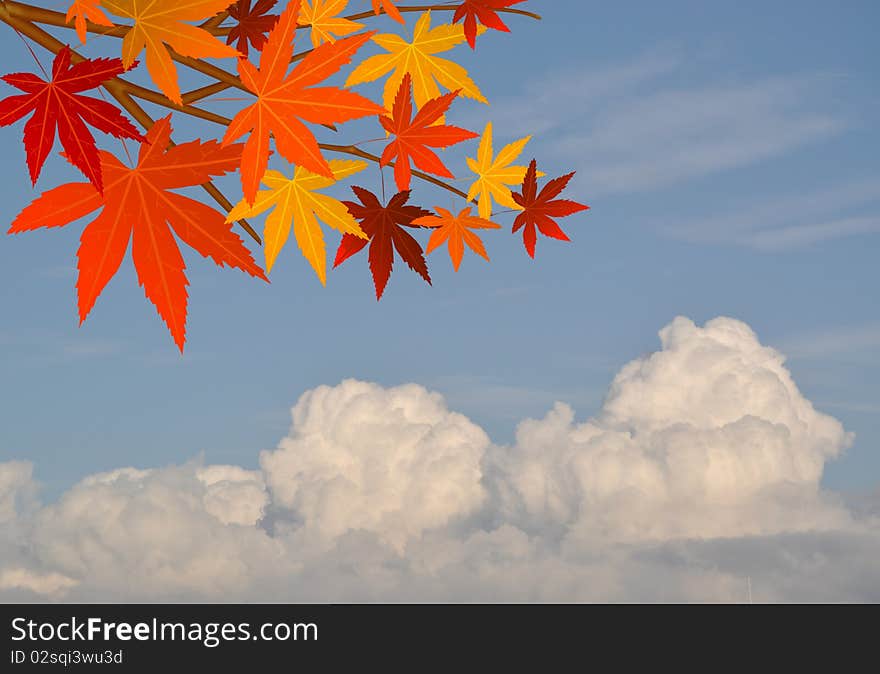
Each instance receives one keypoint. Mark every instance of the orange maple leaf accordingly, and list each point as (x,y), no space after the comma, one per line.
(159,24)
(86,10)
(282,98)
(138,206)
(390,10)
(413,136)
(456,230)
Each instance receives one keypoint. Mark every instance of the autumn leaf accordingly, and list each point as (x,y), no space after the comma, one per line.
(296,201)
(137,205)
(283,98)
(323,18)
(86,10)
(494,175)
(158,23)
(417,58)
(253,23)
(389,8)
(384,225)
(540,209)
(414,135)
(57,103)
(484,11)
(456,231)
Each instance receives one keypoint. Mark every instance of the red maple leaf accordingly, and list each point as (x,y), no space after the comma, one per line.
(56,103)
(384,225)
(138,205)
(253,24)
(540,209)
(486,12)
(413,136)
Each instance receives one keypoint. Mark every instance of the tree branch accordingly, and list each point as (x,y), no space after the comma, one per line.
(217,29)
(23,17)
(119,90)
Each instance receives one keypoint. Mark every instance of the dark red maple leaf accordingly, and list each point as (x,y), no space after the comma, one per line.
(384,225)
(56,103)
(253,24)
(540,209)
(486,12)
(414,135)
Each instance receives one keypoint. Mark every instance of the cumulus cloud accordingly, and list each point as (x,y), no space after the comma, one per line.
(394,462)
(701,469)
(708,437)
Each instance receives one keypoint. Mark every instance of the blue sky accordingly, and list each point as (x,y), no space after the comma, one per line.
(729,156)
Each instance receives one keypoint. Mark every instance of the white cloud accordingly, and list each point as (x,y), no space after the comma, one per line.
(390,461)
(708,437)
(701,469)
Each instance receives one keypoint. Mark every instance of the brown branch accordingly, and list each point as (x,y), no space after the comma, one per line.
(22,16)
(203,92)
(47,16)
(225,79)
(217,29)
(215,20)
(211,89)
(355,151)
(439,8)
(36,14)
(117,88)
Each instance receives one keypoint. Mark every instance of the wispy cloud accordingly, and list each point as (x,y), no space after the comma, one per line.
(801,235)
(790,220)
(834,341)
(635,127)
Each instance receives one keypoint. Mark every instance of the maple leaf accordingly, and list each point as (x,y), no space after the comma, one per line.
(295,200)
(384,225)
(284,98)
(323,18)
(57,103)
(389,8)
(414,135)
(85,10)
(417,58)
(138,206)
(456,230)
(494,175)
(158,23)
(486,12)
(253,24)
(540,209)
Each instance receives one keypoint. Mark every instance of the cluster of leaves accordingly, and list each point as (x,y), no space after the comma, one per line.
(137,204)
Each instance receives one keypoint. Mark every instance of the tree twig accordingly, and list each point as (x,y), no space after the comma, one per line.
(118,89)
(23,17)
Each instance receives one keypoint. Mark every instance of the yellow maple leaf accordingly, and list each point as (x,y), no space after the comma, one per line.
(85,10)
(494,175)
(296,202)
(158,23)
(323,18)
(417,58)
